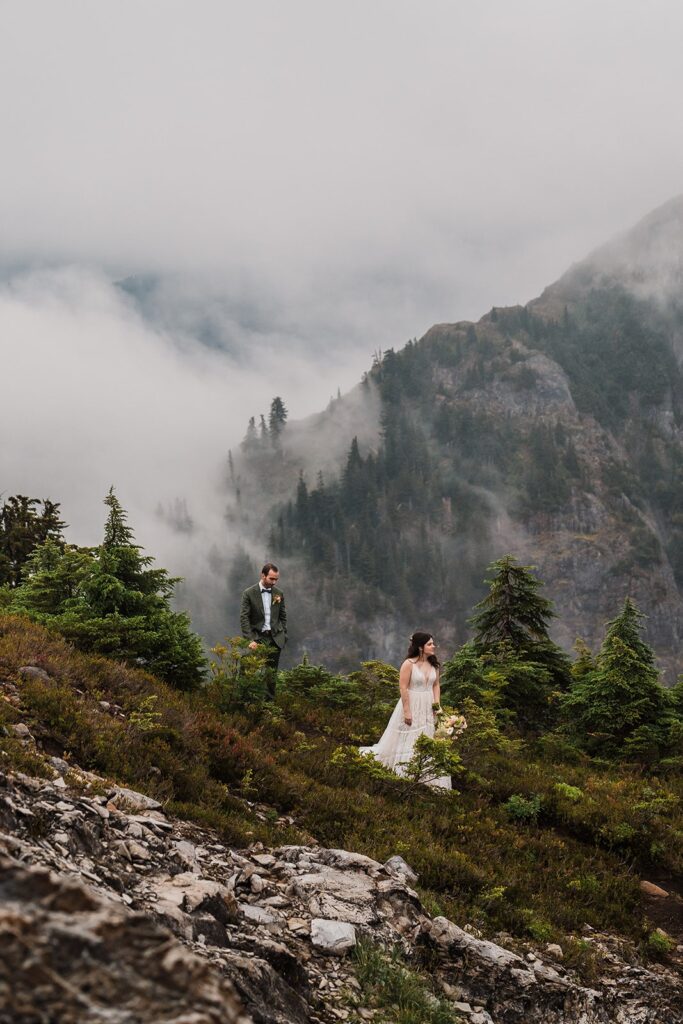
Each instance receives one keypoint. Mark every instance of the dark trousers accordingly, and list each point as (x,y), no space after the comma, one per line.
(272,661)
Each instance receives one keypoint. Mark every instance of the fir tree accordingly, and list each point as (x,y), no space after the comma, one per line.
(54,579)
(584,663)
(620,706)
(511,634)
(242,571)
(116,531)
(22,529)
(513,611)
(111,601)
(125,584)
(277,418)
(302,503)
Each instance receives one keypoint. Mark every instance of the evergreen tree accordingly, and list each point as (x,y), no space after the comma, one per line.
(54,578)
(511,634)
(620,707)
(124,583)
(117,533)
(302,502)
(277,418)
(584,663)
(250,440)
(514,612)
(676,698)
(22,529)
(111,601)
(471,675)
(353,480)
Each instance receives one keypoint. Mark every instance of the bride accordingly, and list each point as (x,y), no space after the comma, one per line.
(413,716)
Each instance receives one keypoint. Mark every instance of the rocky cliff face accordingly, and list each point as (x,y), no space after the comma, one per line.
(552,431)
(603,537)
(112,911)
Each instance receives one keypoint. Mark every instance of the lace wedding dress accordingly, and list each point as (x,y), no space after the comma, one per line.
(397,743)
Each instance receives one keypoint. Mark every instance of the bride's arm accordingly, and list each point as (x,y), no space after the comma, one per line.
(404,683)
(436,689)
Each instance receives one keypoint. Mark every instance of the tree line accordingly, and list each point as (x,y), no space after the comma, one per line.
(112,600)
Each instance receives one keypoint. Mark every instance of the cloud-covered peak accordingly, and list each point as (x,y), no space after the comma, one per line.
(647,259)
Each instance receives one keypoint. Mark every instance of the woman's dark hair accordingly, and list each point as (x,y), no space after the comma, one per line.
(418,640)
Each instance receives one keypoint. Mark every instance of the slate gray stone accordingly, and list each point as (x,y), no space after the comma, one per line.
(137,801)
(397,866)
(333,937)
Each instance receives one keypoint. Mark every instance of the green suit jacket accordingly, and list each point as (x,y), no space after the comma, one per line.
(252,618)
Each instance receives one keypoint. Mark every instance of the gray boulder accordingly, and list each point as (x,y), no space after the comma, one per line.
(333,937)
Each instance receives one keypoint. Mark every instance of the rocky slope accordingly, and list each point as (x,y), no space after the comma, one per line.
(113,911)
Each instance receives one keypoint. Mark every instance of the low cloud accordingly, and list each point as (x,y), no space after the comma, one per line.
(95,395)
(286,190)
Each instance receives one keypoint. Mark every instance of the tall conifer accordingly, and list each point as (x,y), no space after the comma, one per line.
(620,706)
(515,616)
(511,661)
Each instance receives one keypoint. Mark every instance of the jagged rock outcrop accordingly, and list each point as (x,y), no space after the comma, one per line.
(68,955)
(113,911)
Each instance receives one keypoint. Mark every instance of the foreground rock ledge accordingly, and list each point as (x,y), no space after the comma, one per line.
(68,956)
(113,913)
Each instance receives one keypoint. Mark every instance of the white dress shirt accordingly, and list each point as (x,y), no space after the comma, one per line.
(267,598)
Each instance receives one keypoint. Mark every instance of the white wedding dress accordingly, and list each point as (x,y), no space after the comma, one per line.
(398,740)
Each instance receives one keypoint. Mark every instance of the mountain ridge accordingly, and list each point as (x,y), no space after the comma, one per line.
(562,416)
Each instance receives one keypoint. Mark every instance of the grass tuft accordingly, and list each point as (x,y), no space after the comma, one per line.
(388,984)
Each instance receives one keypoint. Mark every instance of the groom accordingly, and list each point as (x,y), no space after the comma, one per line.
(263,620)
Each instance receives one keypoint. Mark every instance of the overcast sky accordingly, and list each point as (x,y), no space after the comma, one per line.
(342,173)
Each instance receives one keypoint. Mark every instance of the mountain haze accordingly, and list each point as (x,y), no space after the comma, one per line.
(551,431)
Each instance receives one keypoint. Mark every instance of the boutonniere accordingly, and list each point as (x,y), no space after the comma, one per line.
(277,598)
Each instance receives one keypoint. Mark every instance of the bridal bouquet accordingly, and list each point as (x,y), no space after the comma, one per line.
(447,726)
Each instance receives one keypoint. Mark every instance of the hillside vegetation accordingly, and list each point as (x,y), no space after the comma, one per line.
(567,781)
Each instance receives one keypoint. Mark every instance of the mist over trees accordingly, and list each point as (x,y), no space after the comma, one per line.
(552,430)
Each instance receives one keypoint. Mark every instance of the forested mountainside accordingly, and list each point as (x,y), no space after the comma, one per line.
(551,431)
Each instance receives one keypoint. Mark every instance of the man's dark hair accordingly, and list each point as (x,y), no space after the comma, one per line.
(267,567)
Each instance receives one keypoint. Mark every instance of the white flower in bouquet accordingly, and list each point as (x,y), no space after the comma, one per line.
(448,727)
(455,724)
